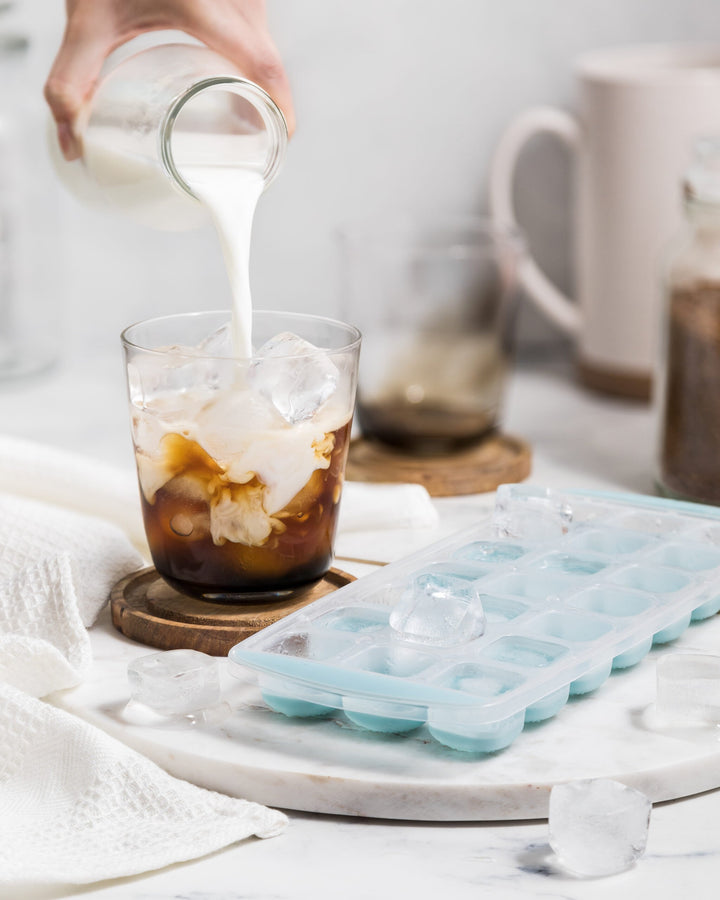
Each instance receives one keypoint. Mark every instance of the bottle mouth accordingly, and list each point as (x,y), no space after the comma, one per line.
(225,109)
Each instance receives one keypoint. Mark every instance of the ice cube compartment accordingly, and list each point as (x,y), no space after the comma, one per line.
(570,587)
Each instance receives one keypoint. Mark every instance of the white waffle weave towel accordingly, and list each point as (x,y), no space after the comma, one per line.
(76,805)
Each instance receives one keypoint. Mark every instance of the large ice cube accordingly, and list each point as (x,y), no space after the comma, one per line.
(177,371)
(598,826)
(536,514)
(175,682)
(219,343)
(294,375)
(688,688)
(439,609)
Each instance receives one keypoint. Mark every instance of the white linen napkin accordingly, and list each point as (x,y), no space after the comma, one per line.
(72,481)
(76,805)
(378,507)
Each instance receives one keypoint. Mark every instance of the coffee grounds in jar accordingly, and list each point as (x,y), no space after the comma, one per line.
(690,448)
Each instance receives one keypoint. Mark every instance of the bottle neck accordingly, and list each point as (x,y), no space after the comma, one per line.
(265,153)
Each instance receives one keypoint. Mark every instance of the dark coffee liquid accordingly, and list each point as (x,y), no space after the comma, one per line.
(424,429)
(178,526)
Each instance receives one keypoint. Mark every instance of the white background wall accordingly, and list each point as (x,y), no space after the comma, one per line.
(399,105)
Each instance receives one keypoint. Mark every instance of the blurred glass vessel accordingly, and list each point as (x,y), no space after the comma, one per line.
(435,307)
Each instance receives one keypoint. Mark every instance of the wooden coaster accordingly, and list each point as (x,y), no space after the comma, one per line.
(148,610)
(498,459)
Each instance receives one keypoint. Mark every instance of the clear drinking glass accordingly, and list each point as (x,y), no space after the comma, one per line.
(435,307)
(164,108)
(240,461)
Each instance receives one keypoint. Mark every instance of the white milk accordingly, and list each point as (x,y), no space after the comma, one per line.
(224,171)
(230,195)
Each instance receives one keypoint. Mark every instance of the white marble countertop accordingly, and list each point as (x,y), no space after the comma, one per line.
(579,440)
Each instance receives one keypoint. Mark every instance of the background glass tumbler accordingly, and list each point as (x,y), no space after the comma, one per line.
(435,307)
(241,461)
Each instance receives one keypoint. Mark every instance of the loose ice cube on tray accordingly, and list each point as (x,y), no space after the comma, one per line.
(688,688)
(175,682)
(539,513)
(294,375)
(439,609)
(598,826)
(495,627)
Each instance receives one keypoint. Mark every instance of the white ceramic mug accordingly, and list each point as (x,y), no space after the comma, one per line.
(641,109)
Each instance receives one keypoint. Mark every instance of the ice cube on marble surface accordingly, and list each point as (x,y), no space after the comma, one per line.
(598,826)
(294,375)
(175,682)
(439,609)
(688,688)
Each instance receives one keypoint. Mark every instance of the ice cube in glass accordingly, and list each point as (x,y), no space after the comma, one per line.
(219,343)
(293,375)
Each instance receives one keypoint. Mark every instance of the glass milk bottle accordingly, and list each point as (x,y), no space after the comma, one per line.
(689,383)
(159,111)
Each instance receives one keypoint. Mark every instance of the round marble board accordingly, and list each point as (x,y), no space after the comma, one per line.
(330,766)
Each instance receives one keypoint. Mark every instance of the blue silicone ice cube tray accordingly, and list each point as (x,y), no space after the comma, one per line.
(496,626)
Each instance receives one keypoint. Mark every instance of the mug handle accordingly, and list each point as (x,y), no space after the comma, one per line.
(541,119)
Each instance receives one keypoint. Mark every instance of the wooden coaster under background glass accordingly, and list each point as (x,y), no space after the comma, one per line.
(148,610)
(498,459)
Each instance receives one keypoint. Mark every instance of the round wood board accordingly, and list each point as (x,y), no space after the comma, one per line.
(148,610)
(499,459)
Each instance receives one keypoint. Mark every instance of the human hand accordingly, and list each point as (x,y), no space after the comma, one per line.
(237,29)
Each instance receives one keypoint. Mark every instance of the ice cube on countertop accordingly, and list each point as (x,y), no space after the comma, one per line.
(598,826)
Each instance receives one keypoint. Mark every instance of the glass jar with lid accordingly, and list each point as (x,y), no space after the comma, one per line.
(689,382)
(163,109)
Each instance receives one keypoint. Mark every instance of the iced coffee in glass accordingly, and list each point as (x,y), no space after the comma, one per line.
(240,462)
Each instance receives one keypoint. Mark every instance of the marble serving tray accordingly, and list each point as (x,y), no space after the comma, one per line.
(244,749)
